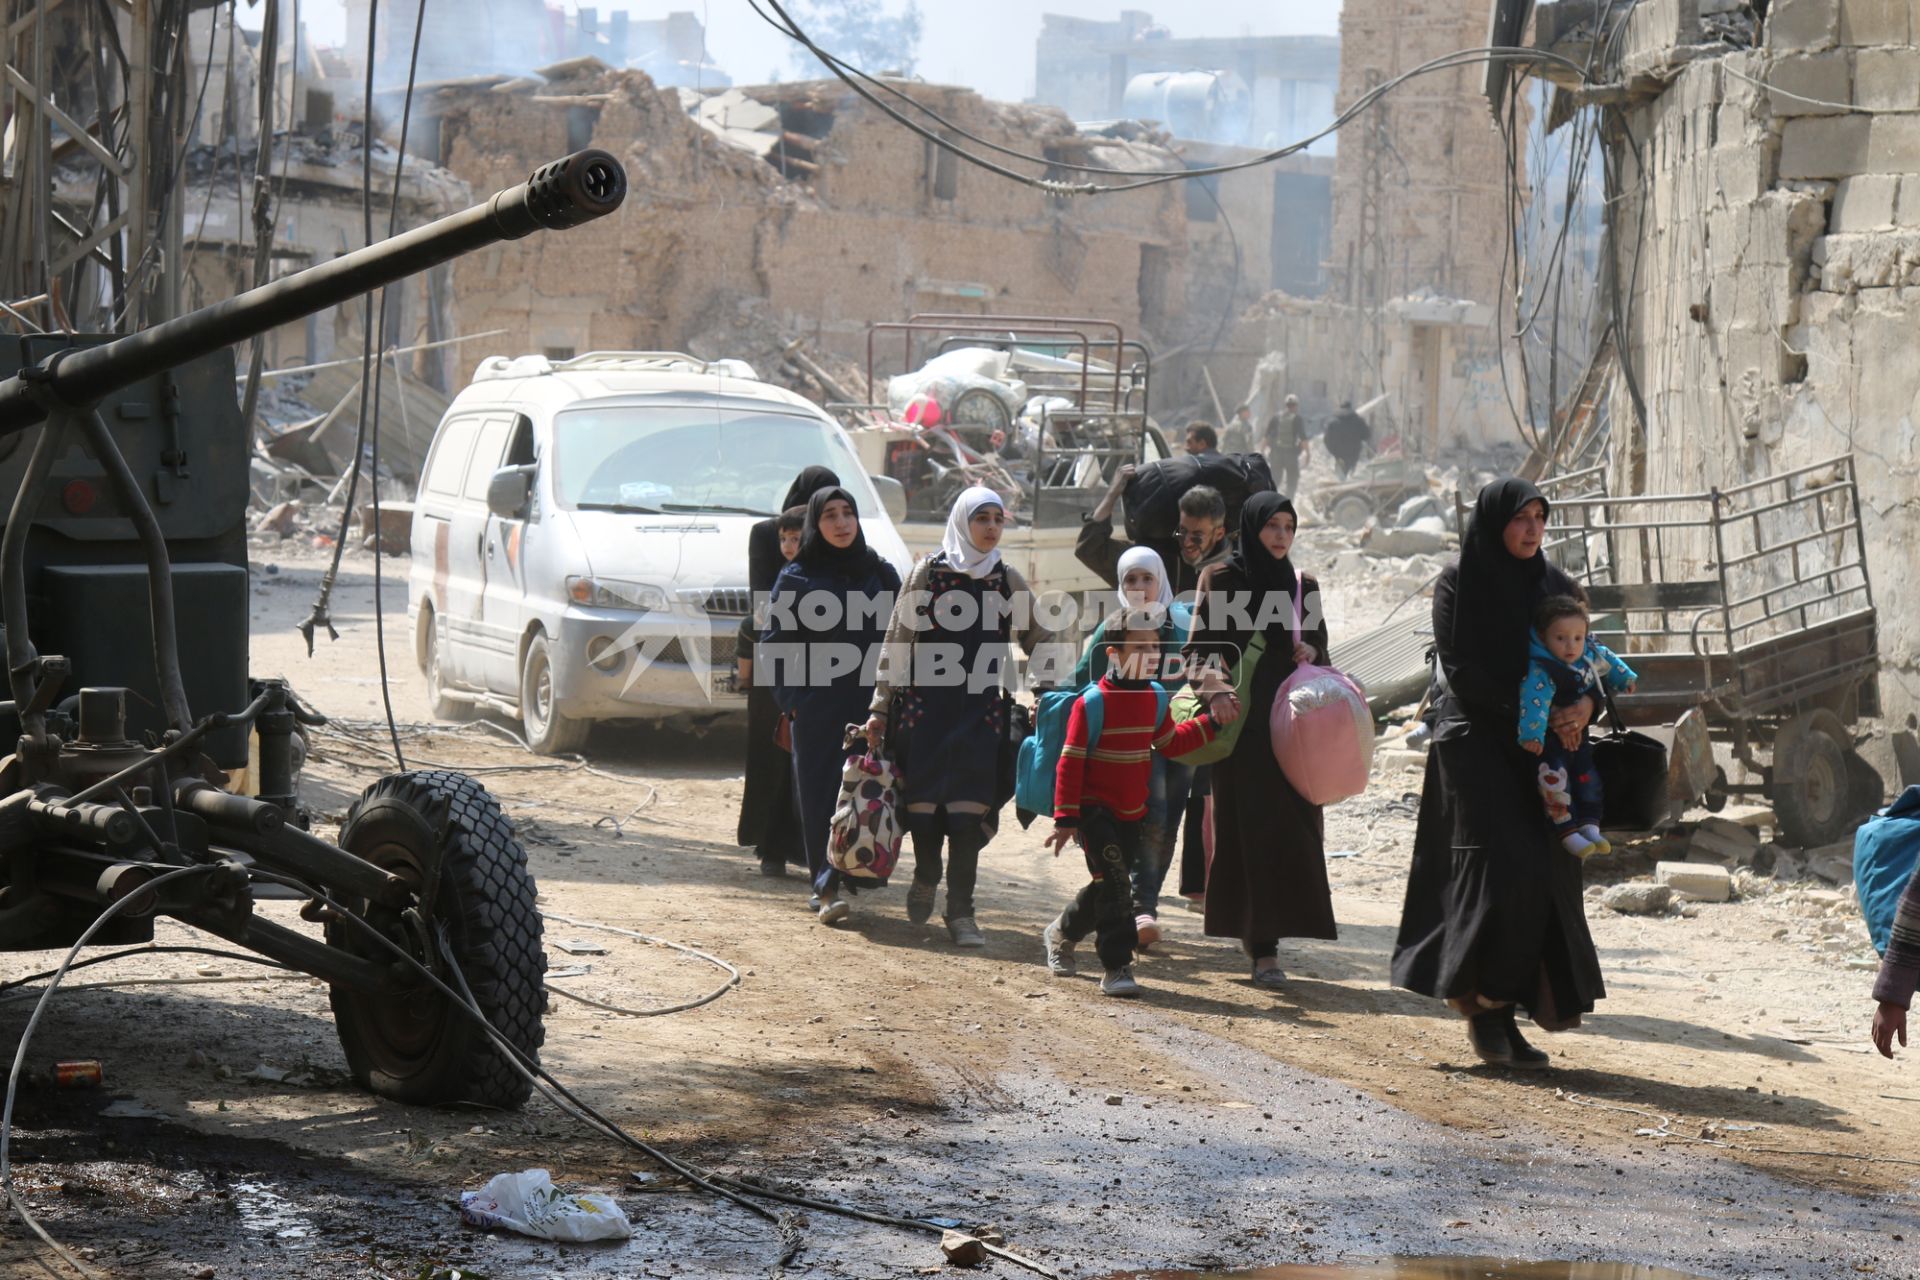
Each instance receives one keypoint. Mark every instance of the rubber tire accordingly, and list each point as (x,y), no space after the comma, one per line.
(1812,783)
(486,902)
(428,649)
(1345,510)
(556,734)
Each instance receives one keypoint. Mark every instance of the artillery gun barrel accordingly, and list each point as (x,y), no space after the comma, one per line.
(569,191)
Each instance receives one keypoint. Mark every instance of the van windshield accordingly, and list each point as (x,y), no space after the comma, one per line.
(688,458)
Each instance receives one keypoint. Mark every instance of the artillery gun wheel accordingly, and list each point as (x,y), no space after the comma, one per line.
(416,1047)
(1812,781)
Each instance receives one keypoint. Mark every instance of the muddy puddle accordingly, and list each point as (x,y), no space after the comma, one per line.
(1427,1269)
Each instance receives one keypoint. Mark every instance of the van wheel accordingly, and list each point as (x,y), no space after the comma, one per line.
(443,707)
(548,732)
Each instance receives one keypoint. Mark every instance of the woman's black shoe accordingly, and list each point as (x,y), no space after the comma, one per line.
(773,868)
(1525,1056)
(1488,1034)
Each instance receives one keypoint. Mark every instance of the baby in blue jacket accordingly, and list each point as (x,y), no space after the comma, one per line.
(1565,667)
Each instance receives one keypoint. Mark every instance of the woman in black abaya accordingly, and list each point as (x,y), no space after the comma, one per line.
(769,818)
(1493,918)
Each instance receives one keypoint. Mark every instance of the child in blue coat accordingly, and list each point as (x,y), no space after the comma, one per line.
(1564,667)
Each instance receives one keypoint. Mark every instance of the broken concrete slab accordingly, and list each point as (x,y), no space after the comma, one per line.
(1728,844)
(1832,862)
(1696,881)
(962,1250)
(1638,898)
(1425,536)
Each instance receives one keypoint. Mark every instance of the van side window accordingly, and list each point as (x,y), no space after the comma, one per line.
(487,452)
(520,443)
(449,465)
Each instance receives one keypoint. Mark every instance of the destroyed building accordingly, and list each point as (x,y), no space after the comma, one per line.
(799,211)
(1767,237)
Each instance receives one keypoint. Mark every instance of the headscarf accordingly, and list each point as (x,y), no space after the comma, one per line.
(819,554)
(962,556)
(1258,568)
(806,483)
(1149,559)
(1495,593)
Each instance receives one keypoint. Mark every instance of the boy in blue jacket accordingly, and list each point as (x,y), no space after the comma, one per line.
(1565,667)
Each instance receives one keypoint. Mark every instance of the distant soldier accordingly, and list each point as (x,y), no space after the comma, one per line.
(1287,447)
(1238,437)
(1347,437)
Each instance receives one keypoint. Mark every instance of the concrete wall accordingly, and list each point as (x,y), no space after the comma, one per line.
(1775,261)
(1443,184)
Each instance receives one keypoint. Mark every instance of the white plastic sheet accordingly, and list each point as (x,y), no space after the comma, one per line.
(529,1203)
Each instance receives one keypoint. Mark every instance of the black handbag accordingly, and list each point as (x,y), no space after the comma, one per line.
(1633,774)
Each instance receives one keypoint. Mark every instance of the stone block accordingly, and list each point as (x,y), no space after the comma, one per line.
(1864,203)
(1907,212)
(1871,22)
(1696,881)
(1811,84)
(1893,146)
(1802,24)
(1637,898)
(1826,146)
(1728,844)
(1887,79)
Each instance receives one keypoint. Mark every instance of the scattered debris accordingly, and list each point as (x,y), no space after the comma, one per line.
(962,1250)
(528,1203)
(576,947)
(1638,898)
(1695,881)
(1718,840)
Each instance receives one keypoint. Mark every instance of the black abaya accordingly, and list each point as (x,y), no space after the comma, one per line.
(1493,906)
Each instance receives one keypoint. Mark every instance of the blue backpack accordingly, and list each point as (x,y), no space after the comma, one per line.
(1884,853)
(1040,753)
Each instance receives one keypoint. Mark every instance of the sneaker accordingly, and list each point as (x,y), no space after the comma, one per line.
(1147,929)
(1272,978)
(920,901)
(965,933)
(1596,843)
(1059,951)
(835,911)
(1119,982)
(1576,844)
(773,868)
(814,903)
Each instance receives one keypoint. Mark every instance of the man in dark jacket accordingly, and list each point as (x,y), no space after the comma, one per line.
(1202,538)
(1347,437)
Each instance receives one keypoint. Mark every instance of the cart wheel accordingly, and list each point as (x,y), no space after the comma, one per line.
(1351,512)
(1716,798)
(1812,783)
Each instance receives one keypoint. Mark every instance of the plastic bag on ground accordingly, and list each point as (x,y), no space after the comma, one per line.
(1323,734)
(529,1203)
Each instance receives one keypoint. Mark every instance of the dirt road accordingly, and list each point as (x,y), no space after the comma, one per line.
(1719,1115)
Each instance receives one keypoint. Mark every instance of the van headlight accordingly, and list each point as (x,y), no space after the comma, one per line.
(613,593)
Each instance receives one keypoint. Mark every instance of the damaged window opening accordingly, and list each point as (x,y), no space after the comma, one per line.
(580,123)
(945,173)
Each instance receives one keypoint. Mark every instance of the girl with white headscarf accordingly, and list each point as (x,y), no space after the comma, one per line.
(1144,586)
(939,703)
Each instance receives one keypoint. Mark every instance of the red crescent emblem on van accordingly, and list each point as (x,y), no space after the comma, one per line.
(513,547)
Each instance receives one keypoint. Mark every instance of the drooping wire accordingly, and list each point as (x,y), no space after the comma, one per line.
(379,371)
(321,613)
(786,25)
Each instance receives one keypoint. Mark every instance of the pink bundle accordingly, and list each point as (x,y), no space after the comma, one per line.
(1323,734)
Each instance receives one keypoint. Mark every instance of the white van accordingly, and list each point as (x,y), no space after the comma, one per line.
(580,535)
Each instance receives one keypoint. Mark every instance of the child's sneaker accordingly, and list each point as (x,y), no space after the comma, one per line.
(1576,844)
(1119,982)
(1597,843)
(1147,930)
(835,910)
(1059,951)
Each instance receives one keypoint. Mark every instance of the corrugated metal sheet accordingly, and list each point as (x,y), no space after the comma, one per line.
(409,412)
(1390,661)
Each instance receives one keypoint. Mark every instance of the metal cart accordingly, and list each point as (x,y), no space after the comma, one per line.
(1753,605)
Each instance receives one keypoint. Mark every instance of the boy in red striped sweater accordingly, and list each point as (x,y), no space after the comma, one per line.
(1100,798)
